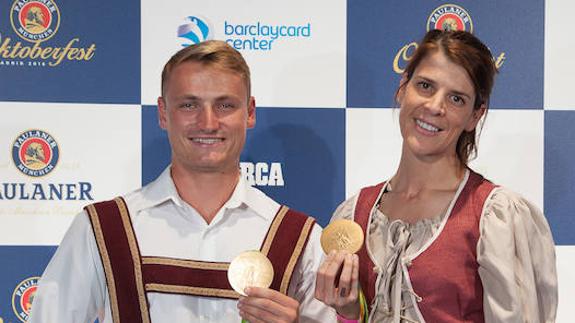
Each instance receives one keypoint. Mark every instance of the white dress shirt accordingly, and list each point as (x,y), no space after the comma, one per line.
(73,286)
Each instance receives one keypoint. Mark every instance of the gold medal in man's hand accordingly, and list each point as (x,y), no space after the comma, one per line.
(250,269)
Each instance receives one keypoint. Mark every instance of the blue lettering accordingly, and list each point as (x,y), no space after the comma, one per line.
(55,191)
(9,195)
(306,31)
(70,191)
(23,194)
(228,29)
(38,191)
(85,189)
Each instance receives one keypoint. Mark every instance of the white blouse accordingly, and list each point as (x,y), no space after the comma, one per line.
(515,252)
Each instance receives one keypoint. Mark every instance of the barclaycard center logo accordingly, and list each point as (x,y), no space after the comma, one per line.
(35,20)
(194,30)
(23,297)
(35,153)
(450,17)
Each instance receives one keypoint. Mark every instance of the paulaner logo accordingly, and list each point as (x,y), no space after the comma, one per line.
(450,17)
(23,297)
(259,36)
(262,174)
(36,21)
(35,153)
(445,17)
(194,30)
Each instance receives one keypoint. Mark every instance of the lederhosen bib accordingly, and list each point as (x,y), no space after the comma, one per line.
(129,276)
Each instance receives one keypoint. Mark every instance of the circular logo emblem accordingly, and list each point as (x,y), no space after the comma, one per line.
(450,17)
(194,30)
(35,20)
(35,153)
(23,297)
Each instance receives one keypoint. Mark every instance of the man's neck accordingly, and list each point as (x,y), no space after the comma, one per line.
(206,192)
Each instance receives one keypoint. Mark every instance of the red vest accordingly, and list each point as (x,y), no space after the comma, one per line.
(129,275)
(445,274)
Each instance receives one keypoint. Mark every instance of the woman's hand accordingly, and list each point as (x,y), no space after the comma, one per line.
(337,283)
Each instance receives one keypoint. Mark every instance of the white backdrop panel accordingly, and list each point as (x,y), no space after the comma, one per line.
(99,145)
(308,70)
(559,53)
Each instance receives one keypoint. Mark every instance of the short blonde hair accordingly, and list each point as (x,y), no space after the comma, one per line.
(215,53)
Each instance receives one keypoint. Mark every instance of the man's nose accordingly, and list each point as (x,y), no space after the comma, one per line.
(208,119)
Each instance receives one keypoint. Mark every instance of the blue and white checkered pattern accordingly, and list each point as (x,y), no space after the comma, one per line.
(323,73)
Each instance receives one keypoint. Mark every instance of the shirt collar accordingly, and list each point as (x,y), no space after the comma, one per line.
(244,195)
(163,189)
(160,190)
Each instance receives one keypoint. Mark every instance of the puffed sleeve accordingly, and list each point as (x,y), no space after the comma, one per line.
(302,286)
(516,256)
(72,288)
(345,209)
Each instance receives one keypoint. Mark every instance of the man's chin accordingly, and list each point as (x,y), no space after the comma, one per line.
(213,168)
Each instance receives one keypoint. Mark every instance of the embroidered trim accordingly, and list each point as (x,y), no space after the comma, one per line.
(193,264)
(135,258)
(296,254)
(105,261)
(187,290)
(273,230)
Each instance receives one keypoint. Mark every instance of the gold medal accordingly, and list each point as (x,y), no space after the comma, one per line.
(250,269)
(342,234)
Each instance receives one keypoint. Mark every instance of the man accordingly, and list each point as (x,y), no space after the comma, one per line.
(160,253)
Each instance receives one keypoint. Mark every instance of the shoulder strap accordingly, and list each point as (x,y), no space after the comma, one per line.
(365,202)
(284,244)
(120,256)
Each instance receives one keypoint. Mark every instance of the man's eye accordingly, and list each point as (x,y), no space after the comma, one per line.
(189,105)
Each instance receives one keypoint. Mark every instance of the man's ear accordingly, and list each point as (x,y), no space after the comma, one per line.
(162,113)
(251,112)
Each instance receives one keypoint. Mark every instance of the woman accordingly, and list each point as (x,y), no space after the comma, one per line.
(443,244)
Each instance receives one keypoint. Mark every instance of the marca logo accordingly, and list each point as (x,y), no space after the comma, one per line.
(36,21)
(446,17)
(194,30)
(23,297)
(262,174)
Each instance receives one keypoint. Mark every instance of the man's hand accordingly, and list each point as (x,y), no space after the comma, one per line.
(268,305)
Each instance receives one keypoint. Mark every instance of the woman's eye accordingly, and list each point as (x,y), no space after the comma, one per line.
(423,85)
(457,100)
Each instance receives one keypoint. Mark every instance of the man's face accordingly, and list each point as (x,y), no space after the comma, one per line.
(206,112)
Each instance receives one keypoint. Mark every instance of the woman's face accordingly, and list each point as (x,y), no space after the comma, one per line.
(436,106)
